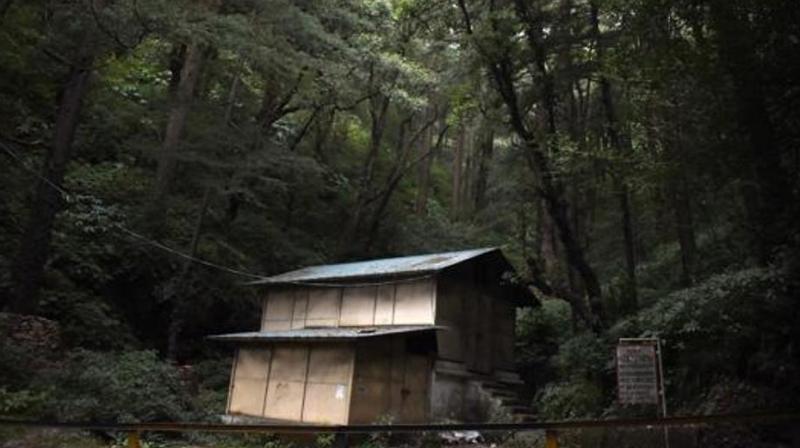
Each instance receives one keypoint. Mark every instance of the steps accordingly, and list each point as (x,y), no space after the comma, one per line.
(506,394)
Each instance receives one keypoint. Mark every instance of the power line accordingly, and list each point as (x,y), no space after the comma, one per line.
(66,196)
(186,256)
(47,181)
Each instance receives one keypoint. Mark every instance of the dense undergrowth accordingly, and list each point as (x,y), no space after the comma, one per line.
(729,347)
(641,155)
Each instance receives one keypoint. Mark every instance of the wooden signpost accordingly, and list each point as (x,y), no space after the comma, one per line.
(640,374)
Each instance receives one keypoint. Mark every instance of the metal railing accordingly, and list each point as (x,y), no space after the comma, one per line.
(551,428)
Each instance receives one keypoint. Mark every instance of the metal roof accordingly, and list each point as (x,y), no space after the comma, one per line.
(332,333)
(400,266)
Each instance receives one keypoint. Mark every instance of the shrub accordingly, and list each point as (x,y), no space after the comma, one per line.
(20,402)
(114,387)
(721,325)
(577,398)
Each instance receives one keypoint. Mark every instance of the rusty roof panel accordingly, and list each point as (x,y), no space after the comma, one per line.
(400,266)
(316,334)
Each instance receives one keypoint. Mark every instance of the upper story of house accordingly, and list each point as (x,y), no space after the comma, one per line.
(435,289)
(460,305)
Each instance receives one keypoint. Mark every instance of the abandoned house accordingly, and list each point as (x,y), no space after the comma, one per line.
(402,340)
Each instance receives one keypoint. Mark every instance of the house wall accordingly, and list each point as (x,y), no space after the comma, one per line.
(480,320)
(402,303)
(304,382)
(478,343)
(390,384)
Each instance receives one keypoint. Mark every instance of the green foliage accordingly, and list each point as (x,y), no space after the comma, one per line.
(714,334)
(584,355)
(52,439)
(571,400)
(22,402)
(114,387)
(583,365)
(86,320)
(720,326)
(16,364)
(539,331)
(280,132)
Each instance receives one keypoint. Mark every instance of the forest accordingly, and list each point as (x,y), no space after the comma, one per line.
(638,161)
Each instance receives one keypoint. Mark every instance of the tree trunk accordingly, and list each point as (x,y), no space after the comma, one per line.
(176,123)
(572,281)
(399,170)
(458,172)
(4,6)
(548,240)
(275,102)
(467,173)
(771,192)
(379,107)
(322,130)
(424,172)
(179,300)
(629,239)
(35,248)
(559,211)
(549,187)
(231,99)
(621,146)
(684,224)
(485,153)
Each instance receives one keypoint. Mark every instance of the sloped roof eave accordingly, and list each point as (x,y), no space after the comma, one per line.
(324,334)
(398,267)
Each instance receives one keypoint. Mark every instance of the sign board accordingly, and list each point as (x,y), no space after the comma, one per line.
(638,371)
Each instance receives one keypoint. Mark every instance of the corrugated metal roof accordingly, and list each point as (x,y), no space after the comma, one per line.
(416,264)
(333,333)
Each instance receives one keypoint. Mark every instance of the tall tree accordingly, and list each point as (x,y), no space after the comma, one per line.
(76,54)
(770,189)
(185,77)
(502,69)
(621,143)
(185,84)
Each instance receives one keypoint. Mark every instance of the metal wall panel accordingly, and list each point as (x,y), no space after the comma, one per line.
(384,305)
(371,380)
(470,327)
(330,364)
(358,306)
(504,321)
(300,308)
(485,336)
(323,307)
(287,382)
(329,384)
(284,400)
(280,307)
(277,325)
(289,362)
(370,402)
(249,381)
(414,302)
(326,403)
(414,393)
(450,314)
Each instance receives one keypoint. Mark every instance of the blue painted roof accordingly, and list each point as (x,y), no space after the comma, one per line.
(400,266)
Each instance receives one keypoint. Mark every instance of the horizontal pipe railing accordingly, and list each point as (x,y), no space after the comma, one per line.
(409,428)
